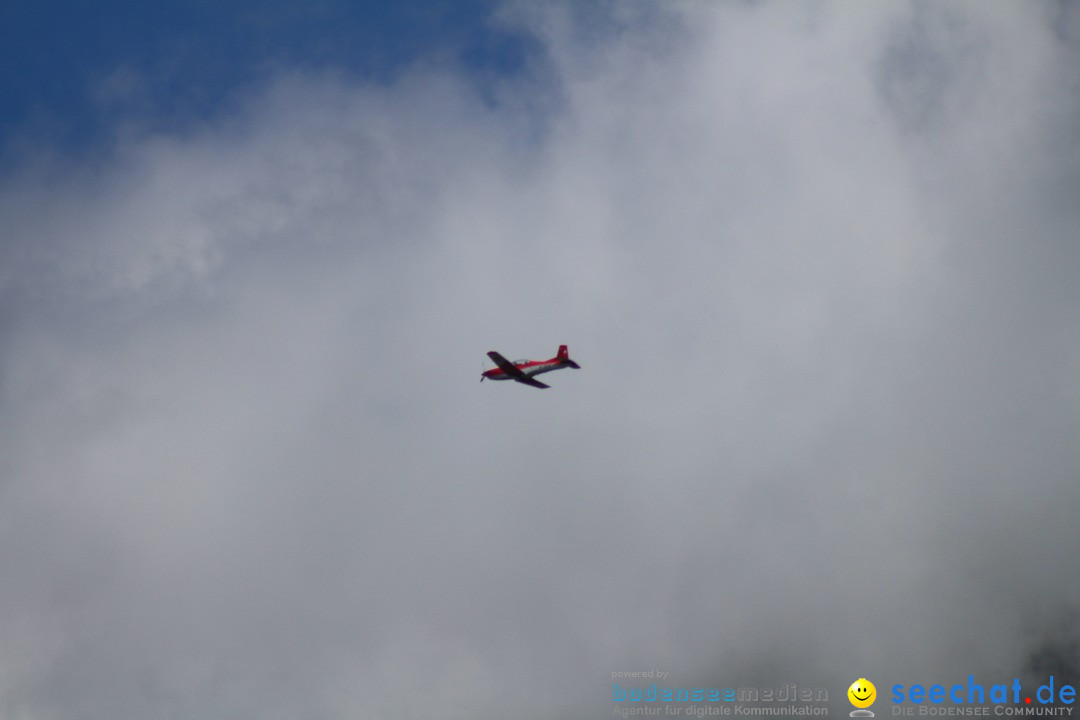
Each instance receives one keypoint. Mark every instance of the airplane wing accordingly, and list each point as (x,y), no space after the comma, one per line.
(508,367)
(526,380)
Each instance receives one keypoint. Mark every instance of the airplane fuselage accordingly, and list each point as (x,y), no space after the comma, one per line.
(529,367)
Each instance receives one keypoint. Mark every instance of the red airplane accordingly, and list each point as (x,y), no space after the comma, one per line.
(523,370)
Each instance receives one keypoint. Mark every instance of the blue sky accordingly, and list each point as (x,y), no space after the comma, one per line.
(193,55)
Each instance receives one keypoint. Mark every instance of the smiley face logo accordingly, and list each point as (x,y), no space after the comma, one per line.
(862,693)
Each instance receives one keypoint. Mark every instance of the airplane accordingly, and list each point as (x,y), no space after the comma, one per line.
(523,370)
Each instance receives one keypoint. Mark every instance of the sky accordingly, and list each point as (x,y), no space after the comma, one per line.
(818,262)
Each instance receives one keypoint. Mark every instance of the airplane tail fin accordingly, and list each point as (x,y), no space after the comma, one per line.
(564,356)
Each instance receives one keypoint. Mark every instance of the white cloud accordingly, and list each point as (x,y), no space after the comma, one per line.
(817,265)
